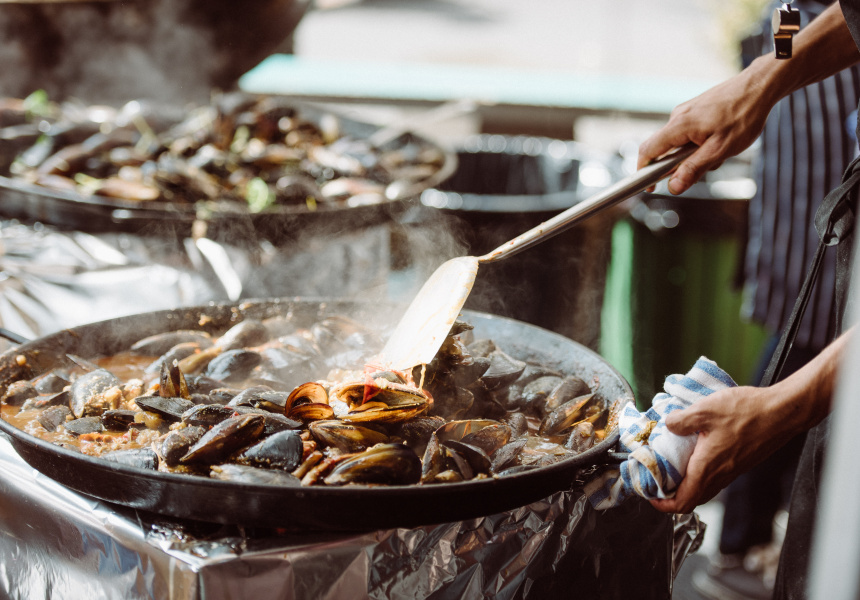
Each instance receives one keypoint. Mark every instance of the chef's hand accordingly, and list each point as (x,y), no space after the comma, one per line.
(727,118)
(734,434)
(723,122)
(740,426)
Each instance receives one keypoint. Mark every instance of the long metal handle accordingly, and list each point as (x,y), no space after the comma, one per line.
(633,184)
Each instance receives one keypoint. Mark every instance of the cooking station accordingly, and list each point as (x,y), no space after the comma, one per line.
(72,525)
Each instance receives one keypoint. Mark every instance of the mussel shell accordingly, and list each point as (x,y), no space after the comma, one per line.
(433,462)
(53,416)
(225,438)
(249,396)
(142,458)
(169,409)
(161,343)
(570,388)
(581,438)
(249,332)
(306,393)
(346,437)
(88,386)
(222,395)
(393,464)
(534,394)
(507,454)
(275,423)
(282,450)
(518,423)
(381,413)
(233,365)
(178,352)
(457,430)
(311,411)
(489,438)
(51,383)
(117,420)
(62,398)
(206,415)
(273,401)
(254,476)
(84,425)
(19,392)
(478,460)
(503,370)
(176,444)
(416,433)
(172,382)
(564,416)
(470,370)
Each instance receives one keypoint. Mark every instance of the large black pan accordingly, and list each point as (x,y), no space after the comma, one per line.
(306,508)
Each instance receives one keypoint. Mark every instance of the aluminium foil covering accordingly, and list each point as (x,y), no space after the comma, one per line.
(55,543)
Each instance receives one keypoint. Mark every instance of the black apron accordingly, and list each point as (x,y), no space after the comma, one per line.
(834,222)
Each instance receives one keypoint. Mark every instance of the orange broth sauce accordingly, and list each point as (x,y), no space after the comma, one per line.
(124,365)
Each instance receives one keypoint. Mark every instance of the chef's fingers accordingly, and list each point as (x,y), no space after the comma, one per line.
(685,422)
(708,157)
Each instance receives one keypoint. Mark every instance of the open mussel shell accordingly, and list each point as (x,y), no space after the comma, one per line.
(346,437)
(581,437)
(565,416)
(390,464)
(307,393)
(172,382)
(570,388)
(311,411)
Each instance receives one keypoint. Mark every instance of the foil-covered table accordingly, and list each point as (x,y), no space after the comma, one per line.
(57,543)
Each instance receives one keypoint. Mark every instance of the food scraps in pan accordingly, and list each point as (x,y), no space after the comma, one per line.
(268,402)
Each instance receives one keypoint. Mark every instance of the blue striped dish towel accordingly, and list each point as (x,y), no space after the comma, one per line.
(658,458)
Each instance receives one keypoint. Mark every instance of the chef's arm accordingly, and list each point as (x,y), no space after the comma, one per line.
(728,118)
(739,427)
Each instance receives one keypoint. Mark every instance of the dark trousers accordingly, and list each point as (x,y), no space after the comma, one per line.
(752,500)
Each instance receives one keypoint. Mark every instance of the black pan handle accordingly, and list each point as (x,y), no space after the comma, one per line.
(13,337)
(616,457)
